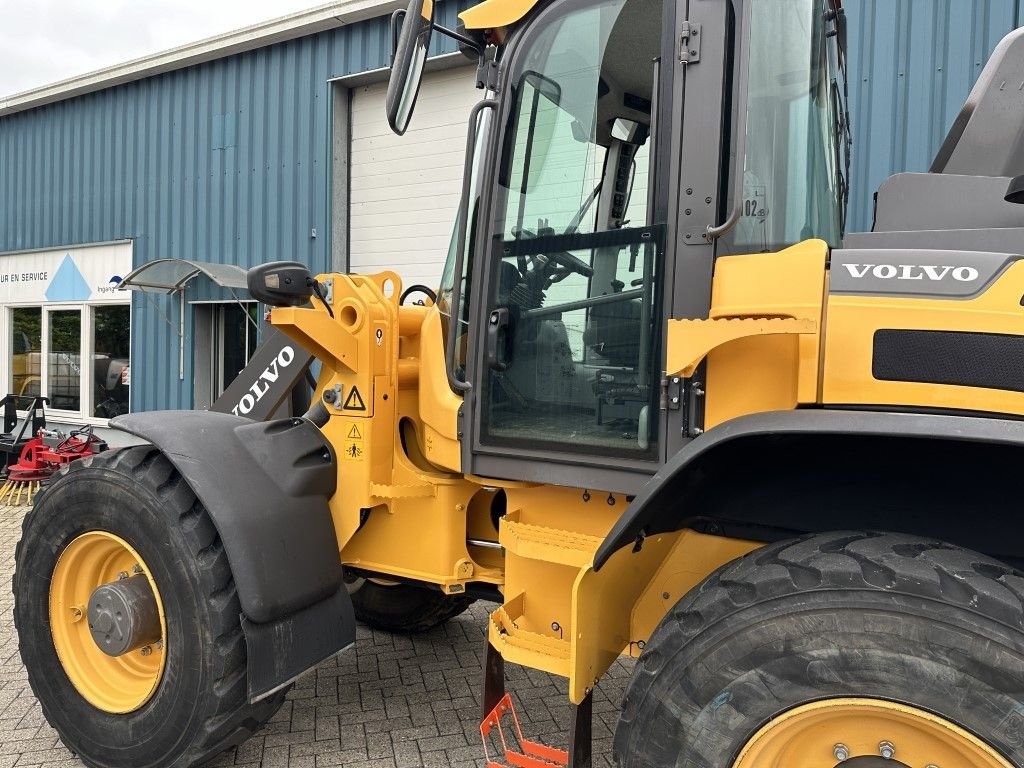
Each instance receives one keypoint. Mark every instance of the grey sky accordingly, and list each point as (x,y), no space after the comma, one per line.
(42,41)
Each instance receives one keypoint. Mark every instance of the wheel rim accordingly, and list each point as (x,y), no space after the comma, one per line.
(825,733)
(115,684)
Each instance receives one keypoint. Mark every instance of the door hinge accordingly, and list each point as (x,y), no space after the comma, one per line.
(689,43)
(487,75)
(671,394)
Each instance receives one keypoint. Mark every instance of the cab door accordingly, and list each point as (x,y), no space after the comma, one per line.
(566,368)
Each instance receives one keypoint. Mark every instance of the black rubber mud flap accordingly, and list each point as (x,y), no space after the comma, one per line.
(279,651)
(266,486)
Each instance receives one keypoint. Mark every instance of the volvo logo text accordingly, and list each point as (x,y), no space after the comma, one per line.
(912,272)
(267,377)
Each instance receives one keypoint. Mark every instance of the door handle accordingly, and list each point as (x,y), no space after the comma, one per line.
(499,347)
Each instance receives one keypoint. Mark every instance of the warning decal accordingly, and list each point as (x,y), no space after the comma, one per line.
(353,448)
(354,401)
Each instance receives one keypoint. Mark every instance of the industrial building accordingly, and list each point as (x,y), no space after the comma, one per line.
(270,143)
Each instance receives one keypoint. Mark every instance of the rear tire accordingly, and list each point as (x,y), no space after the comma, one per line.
(199,707)
(404,608)
(928,626)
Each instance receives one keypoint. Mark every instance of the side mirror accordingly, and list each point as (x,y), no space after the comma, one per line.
(629,131)
(280,283)
(407,65)
(1015,191)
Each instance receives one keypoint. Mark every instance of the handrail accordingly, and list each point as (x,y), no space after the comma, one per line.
(455,305)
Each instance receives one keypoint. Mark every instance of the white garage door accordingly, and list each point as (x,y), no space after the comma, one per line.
(404,190)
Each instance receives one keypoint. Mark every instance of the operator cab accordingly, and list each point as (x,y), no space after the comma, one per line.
(574,212)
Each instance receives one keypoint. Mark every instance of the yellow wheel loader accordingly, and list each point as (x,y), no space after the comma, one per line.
(657,407)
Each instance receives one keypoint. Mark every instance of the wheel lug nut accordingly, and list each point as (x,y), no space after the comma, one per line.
(886,750)
(840,752)
(136,568)
(122,575)
(146,650)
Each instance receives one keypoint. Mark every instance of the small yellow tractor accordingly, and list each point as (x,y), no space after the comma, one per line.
(658,406)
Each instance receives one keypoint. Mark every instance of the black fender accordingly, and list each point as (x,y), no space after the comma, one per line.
(661,504)
(266,486)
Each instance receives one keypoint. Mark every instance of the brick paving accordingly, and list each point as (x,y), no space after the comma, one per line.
(391,702)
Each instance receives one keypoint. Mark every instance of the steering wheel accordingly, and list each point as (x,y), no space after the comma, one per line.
(572,263)
(543,262)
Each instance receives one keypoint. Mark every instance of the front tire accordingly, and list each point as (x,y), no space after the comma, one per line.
(832,647)
(197,704)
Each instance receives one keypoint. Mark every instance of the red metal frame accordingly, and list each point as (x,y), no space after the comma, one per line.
(38,461)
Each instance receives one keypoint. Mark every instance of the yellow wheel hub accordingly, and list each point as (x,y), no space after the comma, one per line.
(116,684)
(824,733)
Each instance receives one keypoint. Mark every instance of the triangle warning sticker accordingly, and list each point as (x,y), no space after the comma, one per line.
(354,401)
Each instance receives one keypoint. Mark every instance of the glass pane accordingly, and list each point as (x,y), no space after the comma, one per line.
(162,275)
(111,361)
(573,343)
(790,173)
(444,294)
(26,350)
(239,341)
(577,364)
(555,172)
(64,364)
(636,203)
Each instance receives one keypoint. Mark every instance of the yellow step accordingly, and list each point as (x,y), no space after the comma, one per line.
(551,545)
(520,646)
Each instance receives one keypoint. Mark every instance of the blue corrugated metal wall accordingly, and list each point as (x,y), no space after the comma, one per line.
(226,161)
(912,64)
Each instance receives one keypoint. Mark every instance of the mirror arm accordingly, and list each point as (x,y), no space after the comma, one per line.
(396,28)
(466,41)
(455,305)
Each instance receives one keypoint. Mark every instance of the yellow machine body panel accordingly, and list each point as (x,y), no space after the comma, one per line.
(775,339)
(410,510)
(492,14)
(762,339)
(854,321)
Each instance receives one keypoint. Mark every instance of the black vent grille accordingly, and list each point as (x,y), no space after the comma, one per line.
(987,360)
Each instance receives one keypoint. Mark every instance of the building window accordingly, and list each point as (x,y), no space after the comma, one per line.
(226,337)
(73,337)
(236,340)
(26,351)
(64,363)
(65,329)
(111,352)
